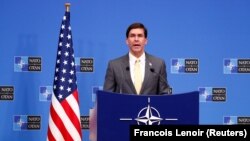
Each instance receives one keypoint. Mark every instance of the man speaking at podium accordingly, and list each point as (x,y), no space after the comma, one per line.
(137,72)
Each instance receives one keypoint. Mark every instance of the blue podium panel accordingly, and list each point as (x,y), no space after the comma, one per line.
(116,112)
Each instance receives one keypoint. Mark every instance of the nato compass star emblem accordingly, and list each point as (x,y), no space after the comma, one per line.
(148,116)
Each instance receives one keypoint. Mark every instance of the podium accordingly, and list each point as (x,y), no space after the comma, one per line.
(116,112)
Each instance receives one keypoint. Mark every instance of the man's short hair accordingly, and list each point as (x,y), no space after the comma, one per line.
(137,25)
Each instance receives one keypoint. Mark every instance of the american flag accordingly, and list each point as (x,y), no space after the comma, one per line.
(64,119)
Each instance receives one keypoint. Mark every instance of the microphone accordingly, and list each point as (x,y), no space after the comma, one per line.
(127,68)
(161,77)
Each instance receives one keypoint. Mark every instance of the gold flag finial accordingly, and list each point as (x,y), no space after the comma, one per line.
(67,5)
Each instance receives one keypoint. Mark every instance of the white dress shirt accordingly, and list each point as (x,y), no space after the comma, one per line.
(132,60)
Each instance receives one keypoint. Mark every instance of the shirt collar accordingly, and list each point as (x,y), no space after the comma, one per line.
(132,58)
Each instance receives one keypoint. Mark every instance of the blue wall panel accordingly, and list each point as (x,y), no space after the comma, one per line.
(211,31)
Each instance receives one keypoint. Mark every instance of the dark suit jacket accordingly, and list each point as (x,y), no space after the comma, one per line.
(118,77)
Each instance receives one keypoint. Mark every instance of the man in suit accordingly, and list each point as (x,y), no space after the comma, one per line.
(122,74)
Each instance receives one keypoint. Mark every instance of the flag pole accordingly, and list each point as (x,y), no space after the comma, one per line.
(67,5)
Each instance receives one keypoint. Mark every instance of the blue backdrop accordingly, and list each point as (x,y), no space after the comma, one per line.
(215,32)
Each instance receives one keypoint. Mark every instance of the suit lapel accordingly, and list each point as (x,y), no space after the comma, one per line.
(146,75)
(127,75)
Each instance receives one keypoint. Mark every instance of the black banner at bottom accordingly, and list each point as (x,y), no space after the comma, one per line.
(200,132)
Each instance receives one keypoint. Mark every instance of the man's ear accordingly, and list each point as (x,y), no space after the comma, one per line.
(146,42)
(126,41)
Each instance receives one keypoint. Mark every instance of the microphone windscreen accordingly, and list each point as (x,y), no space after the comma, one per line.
(127,68)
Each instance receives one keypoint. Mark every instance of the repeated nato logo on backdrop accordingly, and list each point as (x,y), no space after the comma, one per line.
(34,64)
(234,65)
(178,66)
(27,63)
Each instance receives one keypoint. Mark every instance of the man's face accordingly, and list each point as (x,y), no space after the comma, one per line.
(136,41)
